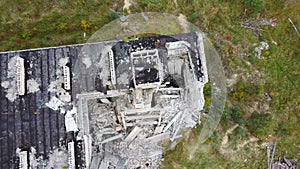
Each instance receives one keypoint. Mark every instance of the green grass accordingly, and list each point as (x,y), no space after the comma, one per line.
(31,24)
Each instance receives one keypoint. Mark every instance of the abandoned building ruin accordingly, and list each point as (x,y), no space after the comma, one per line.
(104,105)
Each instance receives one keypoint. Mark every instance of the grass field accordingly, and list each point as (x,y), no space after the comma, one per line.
(40,23)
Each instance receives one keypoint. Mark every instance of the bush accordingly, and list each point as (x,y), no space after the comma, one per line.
(113,15)
(214,137)
(63,4)
(192,17)
(244,90)
(283,129)
(85,25)
(255,6)
(252,58)
(258,123)
(241,132)
(235,114)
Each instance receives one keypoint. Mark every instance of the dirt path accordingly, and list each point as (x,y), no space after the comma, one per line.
(127,4)
(229,131)
(224,149)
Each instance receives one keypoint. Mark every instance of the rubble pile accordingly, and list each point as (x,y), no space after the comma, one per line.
(149,94)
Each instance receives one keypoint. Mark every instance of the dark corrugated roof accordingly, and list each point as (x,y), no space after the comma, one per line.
(27,122)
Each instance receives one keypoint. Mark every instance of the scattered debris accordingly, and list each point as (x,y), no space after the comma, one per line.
(23,157)
(151,97)
(269,98)
(269,22)
(281,163)
(123,18)
(141,93)
(15,82)
(262,46)
(255,26)
(57,159)
(63,61)
(54,103)
(32,86)
(87,61)
(295,28)
(5,84)
(70,121)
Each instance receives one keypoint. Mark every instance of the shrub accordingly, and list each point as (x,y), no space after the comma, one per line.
(252,58)
(214,137)
(241,132)
(236,115)
(62,26)
(257,124)
(283,129)
(26,35)
(193,17)
(85,25)
(255,6)
(63,4)
(113,15)
(244,90)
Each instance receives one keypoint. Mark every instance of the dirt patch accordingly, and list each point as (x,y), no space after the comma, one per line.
(183,23)
(225,138)
(225,149)
(127,4)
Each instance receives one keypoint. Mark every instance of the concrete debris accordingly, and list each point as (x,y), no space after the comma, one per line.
(54,103)
(28,159)
(158,138)
(58,159)
(63,61)
(23,156)
(284,164)
(112,138)
(70,121)
(149,96)
(54,85)
(269,22)
(281,163)
(32,86)
(15,82)
(255,26)
(87,61)
(262,46)
(131,136)
(62,86)
(5,84)
(123,18)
